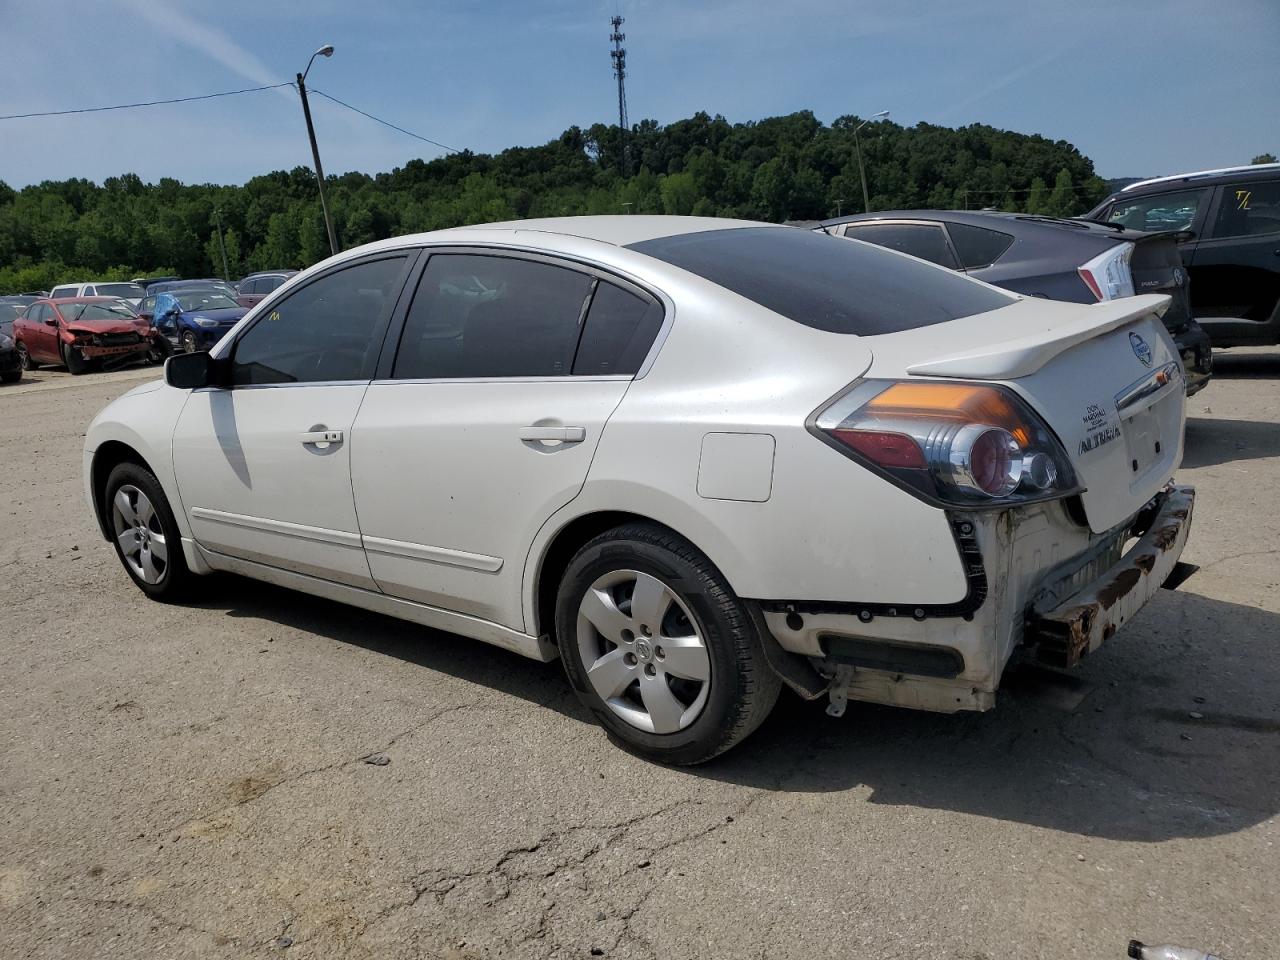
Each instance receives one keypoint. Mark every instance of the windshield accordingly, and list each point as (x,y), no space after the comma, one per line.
(829,283)
(71,312)
(203,300)
(130,290)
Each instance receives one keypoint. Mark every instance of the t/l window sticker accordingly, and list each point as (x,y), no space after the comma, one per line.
(1099,428)
(1242,199)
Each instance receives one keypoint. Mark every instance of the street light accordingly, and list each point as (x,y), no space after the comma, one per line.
(866,200)
(325,51)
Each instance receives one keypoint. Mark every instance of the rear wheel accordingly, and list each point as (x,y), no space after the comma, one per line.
(24,358)
(659,648)
(145,534)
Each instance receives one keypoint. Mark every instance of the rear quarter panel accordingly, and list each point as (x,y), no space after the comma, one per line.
(829,530)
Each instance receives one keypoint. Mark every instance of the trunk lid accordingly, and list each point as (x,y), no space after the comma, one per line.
(1105,377)
(1156,267)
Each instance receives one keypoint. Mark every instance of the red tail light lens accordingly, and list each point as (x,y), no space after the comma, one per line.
(957,444)
(886,449)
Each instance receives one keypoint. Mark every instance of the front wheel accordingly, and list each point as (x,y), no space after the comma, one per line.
(75,360)
(659,648)
(11,376)
(146,536)
(188,340)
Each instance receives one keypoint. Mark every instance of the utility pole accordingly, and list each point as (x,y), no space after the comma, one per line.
(325,51)
(226,271)
(619,56)
(862,173)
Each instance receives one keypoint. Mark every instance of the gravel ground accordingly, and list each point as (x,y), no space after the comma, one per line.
(196,781)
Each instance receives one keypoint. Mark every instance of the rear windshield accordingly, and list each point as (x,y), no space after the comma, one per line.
(829,283)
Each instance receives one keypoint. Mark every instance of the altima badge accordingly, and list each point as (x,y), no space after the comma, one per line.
(1141,349)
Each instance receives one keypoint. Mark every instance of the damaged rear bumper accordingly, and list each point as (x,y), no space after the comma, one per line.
(1064,633)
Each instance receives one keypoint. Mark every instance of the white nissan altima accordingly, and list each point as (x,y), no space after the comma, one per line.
(693,458)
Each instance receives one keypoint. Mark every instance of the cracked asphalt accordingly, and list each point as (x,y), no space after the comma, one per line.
(196,781)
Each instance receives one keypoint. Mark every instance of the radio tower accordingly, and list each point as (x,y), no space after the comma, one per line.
(619,55)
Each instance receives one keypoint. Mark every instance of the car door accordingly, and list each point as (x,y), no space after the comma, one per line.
(263,464)
(1235,267)
(507,369)
(920,238)
(40,334)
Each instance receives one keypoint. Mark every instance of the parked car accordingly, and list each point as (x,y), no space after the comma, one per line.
(1228,222)
(131,293)
(80,332)
(195,318)
(169,286)
(146,282)
(10,360)
(694,458)
(10,309)
(146,308)
(1047,257)
(256,286)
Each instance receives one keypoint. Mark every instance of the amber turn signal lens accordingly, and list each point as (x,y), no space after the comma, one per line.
(960,402)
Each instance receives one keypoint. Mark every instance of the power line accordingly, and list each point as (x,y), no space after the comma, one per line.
(147,103)
(385,123)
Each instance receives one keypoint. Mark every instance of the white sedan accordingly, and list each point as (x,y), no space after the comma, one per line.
(693,458)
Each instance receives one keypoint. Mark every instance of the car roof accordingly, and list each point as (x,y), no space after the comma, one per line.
(58,301)
(1004,221)
(1220,175)
(619,230)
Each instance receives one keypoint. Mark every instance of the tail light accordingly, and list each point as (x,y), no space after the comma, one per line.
(1108,274)
(955,444)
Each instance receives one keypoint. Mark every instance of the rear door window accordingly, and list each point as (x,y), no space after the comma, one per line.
(491,316)
(619,330)
(63,292)
(926,241)
(1162,212)
(824,282)
(977,246)
(1248,209)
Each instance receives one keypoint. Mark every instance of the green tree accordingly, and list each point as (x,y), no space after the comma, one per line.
(1264,158)
(1062,199)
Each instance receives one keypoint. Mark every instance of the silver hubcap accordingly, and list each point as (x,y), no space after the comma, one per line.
(139,534)
(643,653)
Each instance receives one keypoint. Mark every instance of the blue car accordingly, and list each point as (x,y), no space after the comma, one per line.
(195,318)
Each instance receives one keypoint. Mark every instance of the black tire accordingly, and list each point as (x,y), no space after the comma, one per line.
(742,686)
(24,358)
(159,351)
(188,341)
(74,360)
(175,582)
(11,376)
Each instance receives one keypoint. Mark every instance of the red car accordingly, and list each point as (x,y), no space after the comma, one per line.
(80,331)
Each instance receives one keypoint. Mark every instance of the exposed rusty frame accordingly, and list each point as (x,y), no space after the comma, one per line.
(1064,635)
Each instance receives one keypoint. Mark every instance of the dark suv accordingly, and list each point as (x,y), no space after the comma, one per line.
(1228,224)
(1074,260)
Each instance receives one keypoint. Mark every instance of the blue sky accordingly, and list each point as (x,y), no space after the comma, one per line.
(1143,87)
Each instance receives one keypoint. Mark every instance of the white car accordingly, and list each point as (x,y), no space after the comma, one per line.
(130,293)
(693,458)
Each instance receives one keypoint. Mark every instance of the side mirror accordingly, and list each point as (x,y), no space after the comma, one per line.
(50,321)
(190,371)
(1182,236)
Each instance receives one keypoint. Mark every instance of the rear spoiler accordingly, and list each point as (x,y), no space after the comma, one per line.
(1024,355)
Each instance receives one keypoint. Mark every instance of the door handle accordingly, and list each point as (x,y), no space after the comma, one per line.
(562,434)
(321,436)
